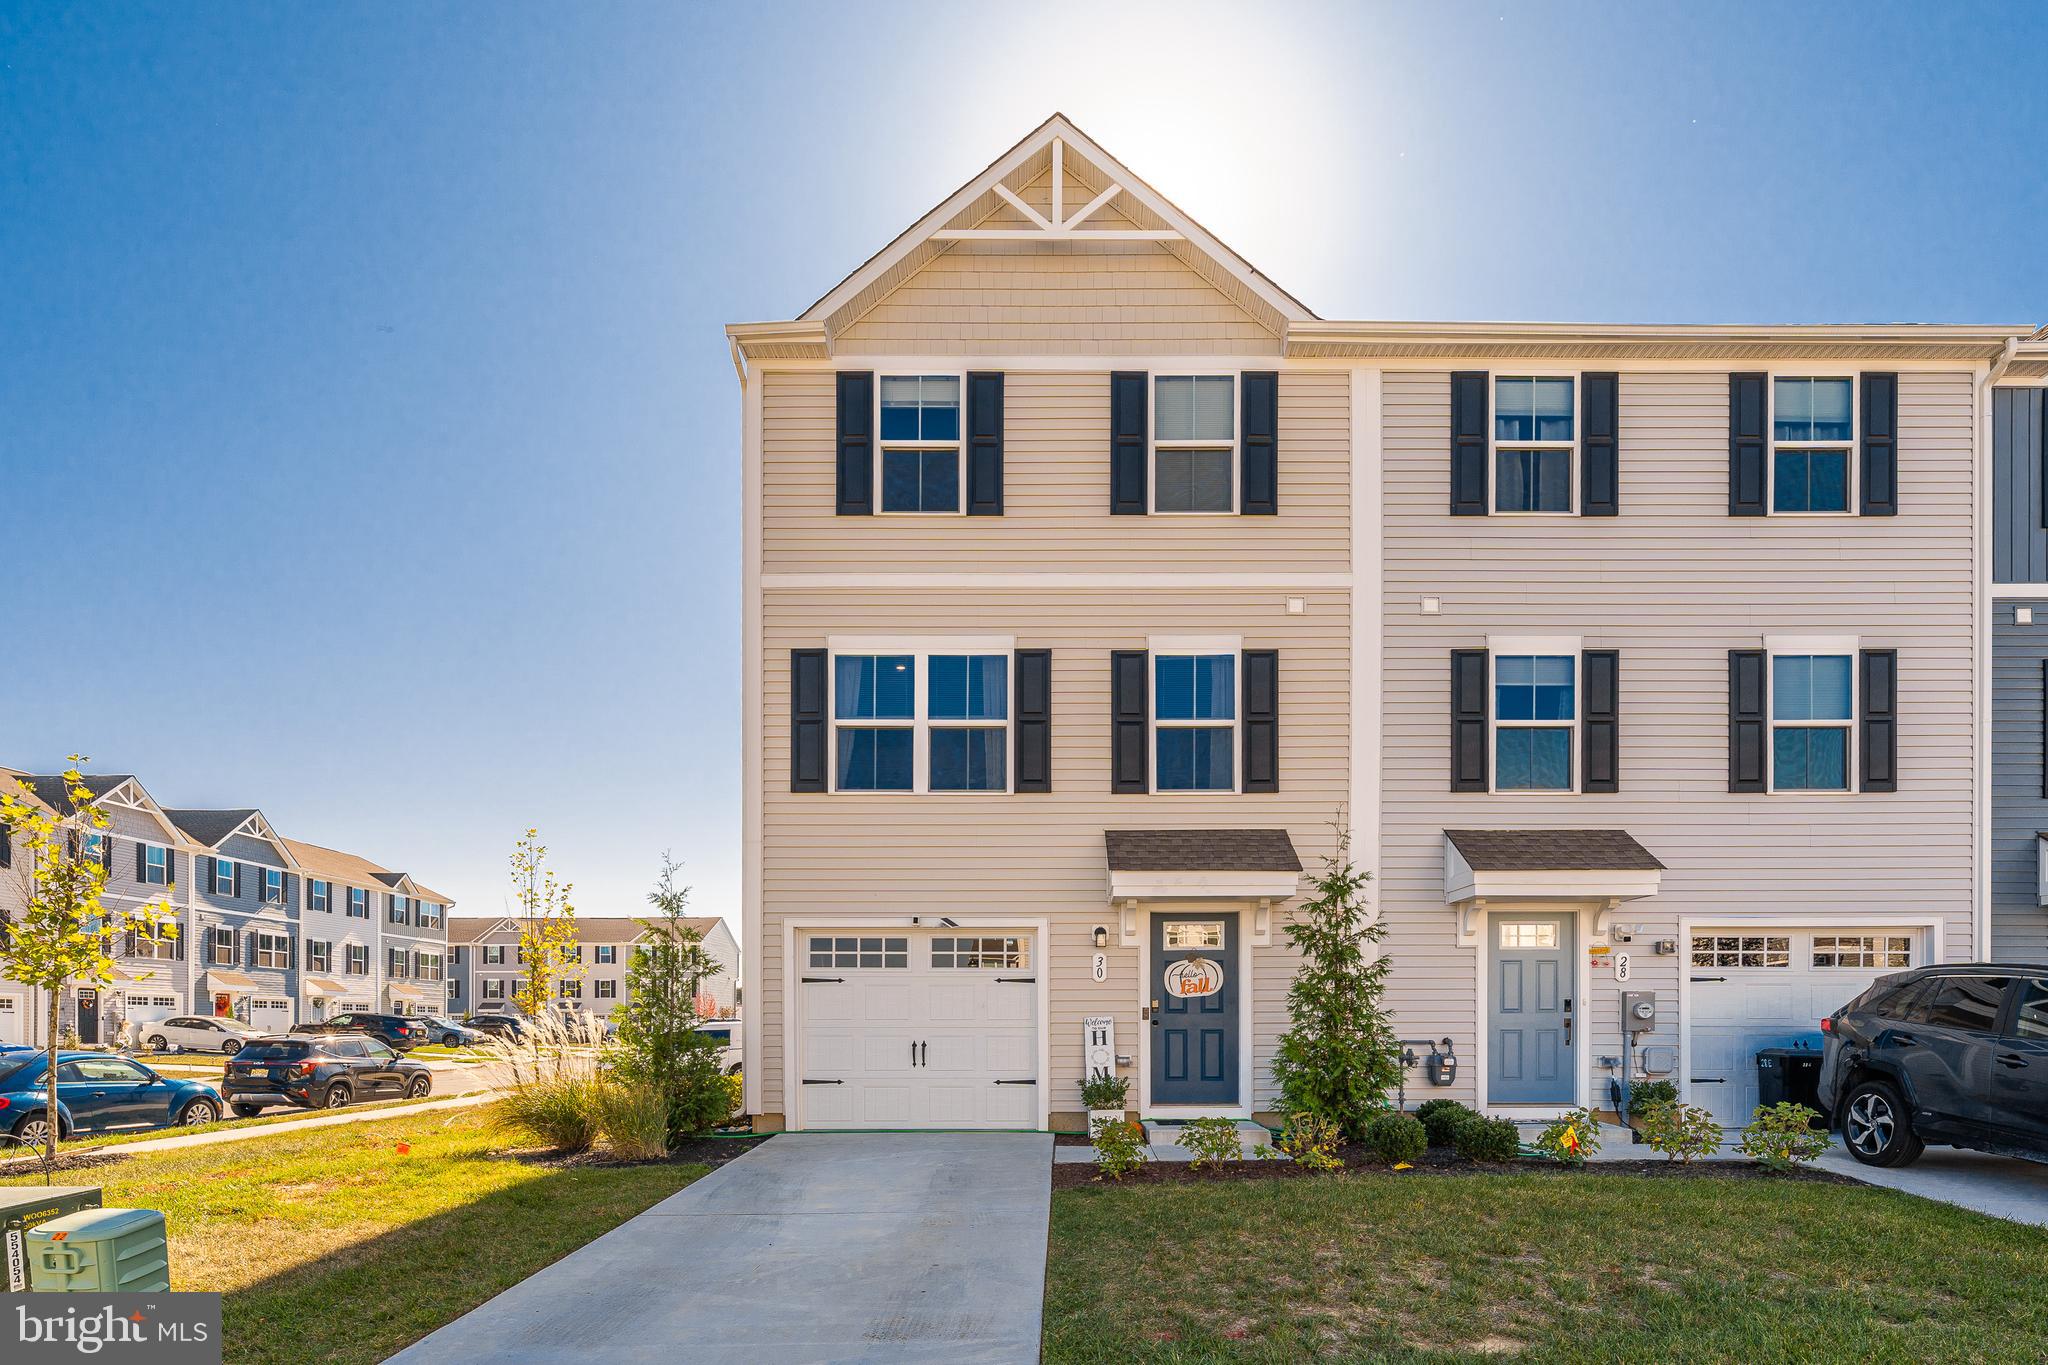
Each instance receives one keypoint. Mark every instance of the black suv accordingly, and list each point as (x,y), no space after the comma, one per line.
(319,1073)
(1954,1054)
(393,1030)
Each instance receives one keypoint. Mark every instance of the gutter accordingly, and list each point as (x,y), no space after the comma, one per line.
(2000,363)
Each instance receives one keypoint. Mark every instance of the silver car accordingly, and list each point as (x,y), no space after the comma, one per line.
(198,1033)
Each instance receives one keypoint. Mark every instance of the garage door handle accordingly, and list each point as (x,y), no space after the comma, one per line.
(1023,980)
(1710,978)
(809,1081)
(1710,1080)
(1030,1082)
(811,979)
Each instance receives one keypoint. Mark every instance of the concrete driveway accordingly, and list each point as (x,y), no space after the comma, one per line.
(1998,1185)
(812,1247)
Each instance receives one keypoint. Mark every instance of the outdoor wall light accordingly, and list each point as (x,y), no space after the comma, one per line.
(1101,936)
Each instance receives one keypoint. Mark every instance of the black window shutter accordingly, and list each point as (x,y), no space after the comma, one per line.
(1259,452)
(1469,408)
(1879,670)
(128,944)
(856,443)
(1129,721)
(238,881)
(180,941)
(1600,446)
(6,846)
(1129,433)
(1600,720)
(1034,720)
(2044,731)
(1749,444)
(141,861)
(807,685)
(1747,670)
(985,445)
(1468,720)
(1261,720)
(1880,393)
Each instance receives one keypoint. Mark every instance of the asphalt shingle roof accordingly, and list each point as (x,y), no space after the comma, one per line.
(209,827)
(1200,850)
(1552,850)
(51,791)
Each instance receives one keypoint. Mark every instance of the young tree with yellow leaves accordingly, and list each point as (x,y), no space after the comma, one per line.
(547,927)
(65,935)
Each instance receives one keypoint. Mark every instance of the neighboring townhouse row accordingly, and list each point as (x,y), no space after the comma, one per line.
(486,965)
(1092,584)
(271,931)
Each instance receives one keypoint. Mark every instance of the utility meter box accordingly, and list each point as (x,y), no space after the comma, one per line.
(1638,1011)
(1443,1068)
(100,1251)
(22,1209)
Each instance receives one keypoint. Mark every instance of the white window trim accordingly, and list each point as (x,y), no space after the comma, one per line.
(958,446)
(349,958)
(1855,461)
(267,873)
(921,649)
(1571,447)
(497,948)
(1498,646)
(1774,645)
(223,869)
(148,866)
(1172,646)
(320,895)
(1153,445)
(319,955)
(606,990)
(214,943)
(283,950)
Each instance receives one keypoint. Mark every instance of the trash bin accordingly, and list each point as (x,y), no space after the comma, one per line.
(100,1251)
(1788,1075)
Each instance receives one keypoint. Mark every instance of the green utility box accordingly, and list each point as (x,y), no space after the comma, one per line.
(100,1251)
(23,1208)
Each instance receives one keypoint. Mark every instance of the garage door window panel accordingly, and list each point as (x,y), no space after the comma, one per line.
(1890,951)
(856,951)
(981,953)
(1741,950)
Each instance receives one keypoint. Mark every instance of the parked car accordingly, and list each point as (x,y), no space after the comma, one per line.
(510,1026)
(96,1093)
(449,1033)
(323,1072)
(393,1030)
(1956,1054)
(198,1033)
(725,1031)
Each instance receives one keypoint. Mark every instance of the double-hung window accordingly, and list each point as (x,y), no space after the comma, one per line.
(607,990)
(1194,722)
(156,865)
(494,988)
(607,954)
(572,990)
(930,718)
(494,954)
(220,946)
(319,955)
(1535,422)
(1813,432)
(223,877)
(396,961)
(427,966)
(401,909)
(1194,443)
(919,467)
(358,903)
(1535,715)
(320,895)
(273,950)
(1812,710)
(358,959)
(273,886)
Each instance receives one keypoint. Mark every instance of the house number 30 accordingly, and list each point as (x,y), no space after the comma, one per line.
(1102,966)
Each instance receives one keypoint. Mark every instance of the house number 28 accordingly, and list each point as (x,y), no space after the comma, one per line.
(1621,966)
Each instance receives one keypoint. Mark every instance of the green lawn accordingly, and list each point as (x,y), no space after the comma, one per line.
(331,1245)
(1535,1268)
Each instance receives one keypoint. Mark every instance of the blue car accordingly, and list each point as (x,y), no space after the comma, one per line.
(96,1093)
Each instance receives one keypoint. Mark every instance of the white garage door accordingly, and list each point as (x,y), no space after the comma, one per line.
(13,1021)
(271,1014)
(918,1030)
(1754,988)
(150,1009)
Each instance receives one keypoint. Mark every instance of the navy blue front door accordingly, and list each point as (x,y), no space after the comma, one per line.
(1194,992)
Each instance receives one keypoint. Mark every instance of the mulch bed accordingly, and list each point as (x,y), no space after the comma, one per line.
(1437,1161)
(81,1161)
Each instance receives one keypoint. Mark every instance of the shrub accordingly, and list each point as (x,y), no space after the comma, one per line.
(561,1110)
(1479,1138)
(633,1118)
(1570,1137)
(1212,1141)
(1440,1119)
(1395,1138)
(1680,1131)
(1644,1096)
(1105,1092)
(1119,1148)
(1312,1141)
(656,1040)
(1782,1136)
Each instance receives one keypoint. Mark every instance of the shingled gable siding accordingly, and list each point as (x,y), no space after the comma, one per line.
(1055,490)
(1674,583)
(1043,855)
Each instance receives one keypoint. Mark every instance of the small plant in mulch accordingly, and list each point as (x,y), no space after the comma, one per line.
(1440,1119)
(1570,1138)
(1479,1138)
(1395,1138)
(1312,1141)
(1644,1096)
(1782,1137)
(1213,1141)
(1680,1131)
(1119,1148)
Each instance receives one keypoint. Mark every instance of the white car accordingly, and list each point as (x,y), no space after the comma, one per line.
(726,1031)
(198,1033)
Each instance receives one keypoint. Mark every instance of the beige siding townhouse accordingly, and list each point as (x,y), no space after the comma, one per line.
(1092,584)
(486,965)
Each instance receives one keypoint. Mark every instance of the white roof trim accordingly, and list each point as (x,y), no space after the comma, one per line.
(1462,884)
(1178,224)
(1201,885)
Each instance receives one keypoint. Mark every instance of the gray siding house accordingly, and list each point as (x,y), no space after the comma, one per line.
(245,921)
(2019,645)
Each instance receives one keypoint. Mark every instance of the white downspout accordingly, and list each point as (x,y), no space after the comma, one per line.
(1980,947)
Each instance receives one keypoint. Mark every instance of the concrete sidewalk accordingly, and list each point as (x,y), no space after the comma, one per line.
(813,1247)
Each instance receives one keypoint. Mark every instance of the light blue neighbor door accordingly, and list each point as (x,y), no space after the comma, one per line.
(1530,1058)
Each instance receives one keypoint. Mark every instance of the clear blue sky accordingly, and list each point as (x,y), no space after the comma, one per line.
(368,441)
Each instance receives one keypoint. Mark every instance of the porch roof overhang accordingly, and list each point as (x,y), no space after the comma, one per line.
(229,981)
(1553,864)
(1193,864)
(410,991)
(321,986)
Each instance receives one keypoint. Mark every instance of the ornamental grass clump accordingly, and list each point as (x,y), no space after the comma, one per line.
(633,1118)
